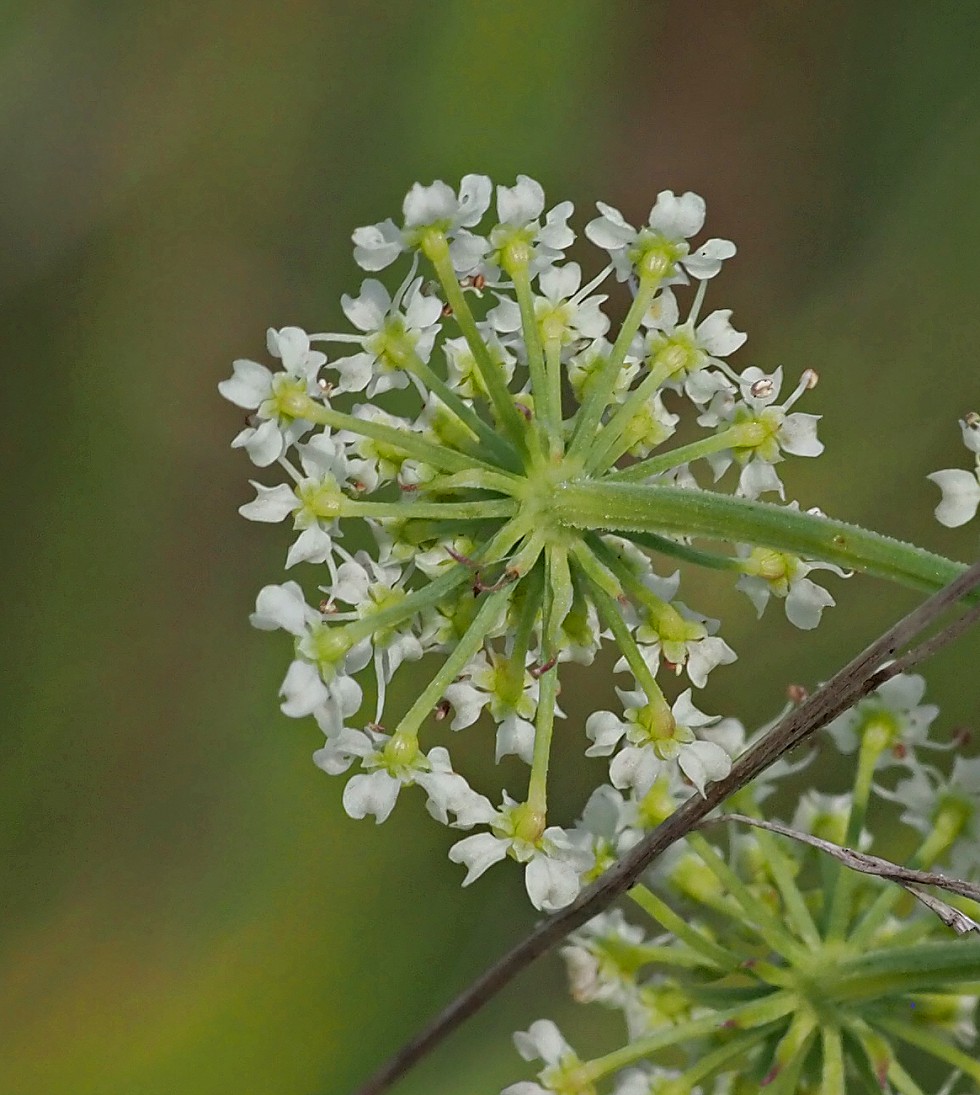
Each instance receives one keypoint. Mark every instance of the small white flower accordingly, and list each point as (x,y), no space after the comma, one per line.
(961,489)
(433,206)
(693,351)
(394,331)
(894,714)
(656,739)
(767,572)
(519,209)
(673,221)
(767,428)
(543,1041)
(555,859)
(278,399)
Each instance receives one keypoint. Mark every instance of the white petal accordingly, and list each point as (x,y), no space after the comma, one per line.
(759,477)
(961,496)
(556,234)
(249,384)
(515,737)
(604,729)
(475,192)
(478,853)
(377,245)
(970,428)
(522,203)
(703,762)
(542,1040)
(368,311)
(313,545)
(272,504)
(550,883)
(264,444)
(706,261)
(467,251)
(717,335)
(282,606)
(374,794)
(428,204)
(610,231)
(303,690)
(677,217)
(798,434)
(805,602)
(634,767)
(705,656)
(561,282)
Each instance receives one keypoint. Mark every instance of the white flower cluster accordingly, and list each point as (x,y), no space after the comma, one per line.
(522,391)
(751,929)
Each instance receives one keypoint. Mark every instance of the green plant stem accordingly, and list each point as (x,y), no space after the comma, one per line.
(664,915)
(673,510)
(437,251)
(482,508)
(597,399)
(656,465)
(504,452)
(753,1014)
(409,443)
(932,1043)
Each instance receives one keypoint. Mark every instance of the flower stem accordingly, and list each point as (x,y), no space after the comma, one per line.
(606,450)
(590,412)
(437,252)
(652,508)
(660,911)
(754,1014)
(544,718)
(484,507)
(667,461)
(402,439)
(468,645)
(483,430)
(532,341)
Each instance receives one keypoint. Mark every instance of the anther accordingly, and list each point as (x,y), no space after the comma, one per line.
(762,388)
(442,710)
(796,693)
(962,735)
(327,607)
(538,671)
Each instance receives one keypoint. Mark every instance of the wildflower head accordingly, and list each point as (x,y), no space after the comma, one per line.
(762,963)
(472,422)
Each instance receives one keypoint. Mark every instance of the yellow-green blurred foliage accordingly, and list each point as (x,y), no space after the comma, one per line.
(184,906)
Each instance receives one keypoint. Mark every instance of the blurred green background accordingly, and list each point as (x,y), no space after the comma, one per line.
(184,906)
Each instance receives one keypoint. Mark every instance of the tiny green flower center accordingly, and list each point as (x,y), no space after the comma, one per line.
(379,598)
(514,249)
(289,399)
(320,498)
(401,753)
(676,356)
(880,732)
(327,646)
(655,256)
(526,823)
